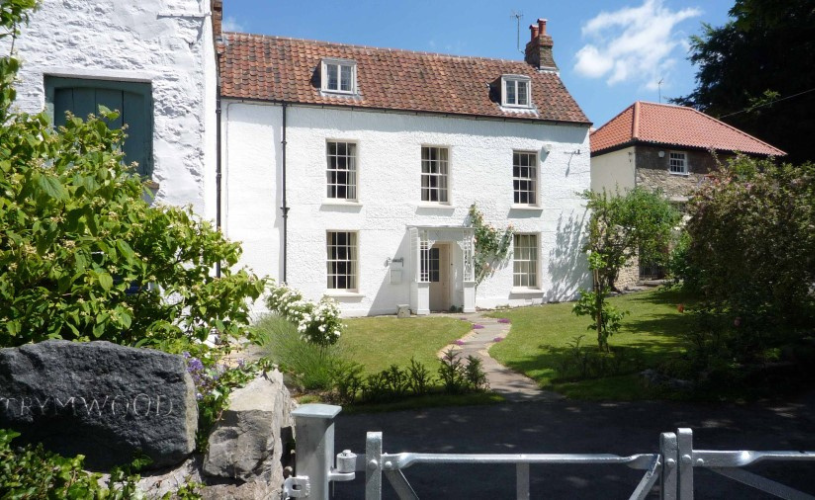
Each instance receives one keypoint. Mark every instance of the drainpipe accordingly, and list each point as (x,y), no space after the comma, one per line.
(218,152)
(285,207)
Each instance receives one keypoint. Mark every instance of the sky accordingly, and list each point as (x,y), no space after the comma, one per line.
(610,53)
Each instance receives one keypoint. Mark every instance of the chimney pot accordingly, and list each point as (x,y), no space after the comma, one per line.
(541,27)
(534,29)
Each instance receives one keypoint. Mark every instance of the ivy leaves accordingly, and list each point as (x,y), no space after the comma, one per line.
(491,245)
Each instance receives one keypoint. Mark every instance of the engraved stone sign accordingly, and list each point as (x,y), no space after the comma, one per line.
(105,401)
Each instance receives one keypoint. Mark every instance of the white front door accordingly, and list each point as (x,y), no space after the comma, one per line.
(439,277)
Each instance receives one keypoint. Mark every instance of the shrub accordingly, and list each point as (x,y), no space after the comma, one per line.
(752,242)
(419,378)
(318,323)
(82,255)
(32,472)
(310,365)
(491,245)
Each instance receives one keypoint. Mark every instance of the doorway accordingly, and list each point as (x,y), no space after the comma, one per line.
(439,276)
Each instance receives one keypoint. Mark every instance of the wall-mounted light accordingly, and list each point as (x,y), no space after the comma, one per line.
(389,261)
(547,148)
(661,154)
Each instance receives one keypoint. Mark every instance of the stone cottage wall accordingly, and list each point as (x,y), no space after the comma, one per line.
(653,172)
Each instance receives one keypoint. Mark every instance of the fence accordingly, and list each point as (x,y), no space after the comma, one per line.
(673,467)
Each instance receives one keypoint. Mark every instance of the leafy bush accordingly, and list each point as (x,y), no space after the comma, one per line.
(347,380)
(752,244)
(452,373)
(491,245)
(310,365)
(474,374)
(32,472)
(83,255)
(318,323)
(419,378)
(607,320)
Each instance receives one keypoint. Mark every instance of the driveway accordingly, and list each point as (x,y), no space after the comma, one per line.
(580,427)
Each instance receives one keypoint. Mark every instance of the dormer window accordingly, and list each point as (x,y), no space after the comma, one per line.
(339,75)
(516,91)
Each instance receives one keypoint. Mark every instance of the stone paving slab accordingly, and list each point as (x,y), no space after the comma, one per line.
(513,386)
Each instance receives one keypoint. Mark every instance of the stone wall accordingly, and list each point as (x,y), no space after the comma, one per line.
(653,171)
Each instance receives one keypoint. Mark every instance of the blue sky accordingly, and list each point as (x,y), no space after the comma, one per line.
(610,53)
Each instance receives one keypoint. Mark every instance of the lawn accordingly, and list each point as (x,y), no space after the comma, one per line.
(542,341)
(379,342)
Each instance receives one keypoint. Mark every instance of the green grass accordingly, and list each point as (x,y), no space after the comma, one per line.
(540,340)
(379,342)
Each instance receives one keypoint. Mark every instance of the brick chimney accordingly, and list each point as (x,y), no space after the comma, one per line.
(539,49)
(217,18)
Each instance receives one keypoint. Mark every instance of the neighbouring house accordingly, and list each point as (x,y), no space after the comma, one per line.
(666,147)
(344,170)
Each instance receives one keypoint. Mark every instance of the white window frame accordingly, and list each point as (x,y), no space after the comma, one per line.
(342,260)
(511,83)
(675,156)
(351,171)
(519,180)
(435,175)
(335,66)
(526,261)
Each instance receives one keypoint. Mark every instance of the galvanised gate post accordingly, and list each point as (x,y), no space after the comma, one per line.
(314,425)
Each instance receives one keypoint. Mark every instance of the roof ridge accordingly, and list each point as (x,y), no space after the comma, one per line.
(370,47)
(635,122)
(742,132)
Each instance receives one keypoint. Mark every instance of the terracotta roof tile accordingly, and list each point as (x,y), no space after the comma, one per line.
(285,69)
(647,122)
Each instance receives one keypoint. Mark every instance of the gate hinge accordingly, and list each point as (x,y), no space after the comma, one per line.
(296,487)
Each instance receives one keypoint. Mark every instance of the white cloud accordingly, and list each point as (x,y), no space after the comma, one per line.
(232,24)
(633,44)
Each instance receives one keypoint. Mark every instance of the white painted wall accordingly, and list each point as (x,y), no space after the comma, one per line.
(614,171)
(388,159)
(165,42)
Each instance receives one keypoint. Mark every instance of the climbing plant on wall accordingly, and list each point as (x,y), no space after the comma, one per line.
(491,245)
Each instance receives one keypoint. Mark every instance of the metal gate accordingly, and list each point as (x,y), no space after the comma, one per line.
(673,467)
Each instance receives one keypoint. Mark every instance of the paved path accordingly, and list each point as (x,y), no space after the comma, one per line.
(513,386)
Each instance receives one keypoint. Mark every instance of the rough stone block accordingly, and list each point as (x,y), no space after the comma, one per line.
(402,311)
(246,443)
(105,401)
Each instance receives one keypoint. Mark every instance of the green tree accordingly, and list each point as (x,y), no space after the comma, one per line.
(82,255)
(757,73)
(637,223)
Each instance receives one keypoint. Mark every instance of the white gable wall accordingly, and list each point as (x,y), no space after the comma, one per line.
(389,169)
(165,42)
(614,171)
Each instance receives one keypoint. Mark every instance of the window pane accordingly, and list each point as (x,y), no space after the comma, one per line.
(341,170)
(511,92)
(524,178)
(525,260)
(434,174)
(341,261)
(345,80)
(522,94)
(331,69)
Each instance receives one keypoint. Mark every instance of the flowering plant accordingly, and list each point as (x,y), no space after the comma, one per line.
(317,323)
(491,245)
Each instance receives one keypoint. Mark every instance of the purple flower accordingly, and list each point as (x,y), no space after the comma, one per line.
(504,320)
(186,355)
(498,339)
(195,365)
(241,363)
(459,342)
(477,326)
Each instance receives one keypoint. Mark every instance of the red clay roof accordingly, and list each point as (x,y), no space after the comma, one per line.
(648,122)
(285,69)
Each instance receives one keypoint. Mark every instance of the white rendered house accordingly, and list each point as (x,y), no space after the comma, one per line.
(349,171)
(343,170)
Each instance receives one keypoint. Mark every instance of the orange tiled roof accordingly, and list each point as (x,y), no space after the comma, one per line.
(285,69)
(648,122)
